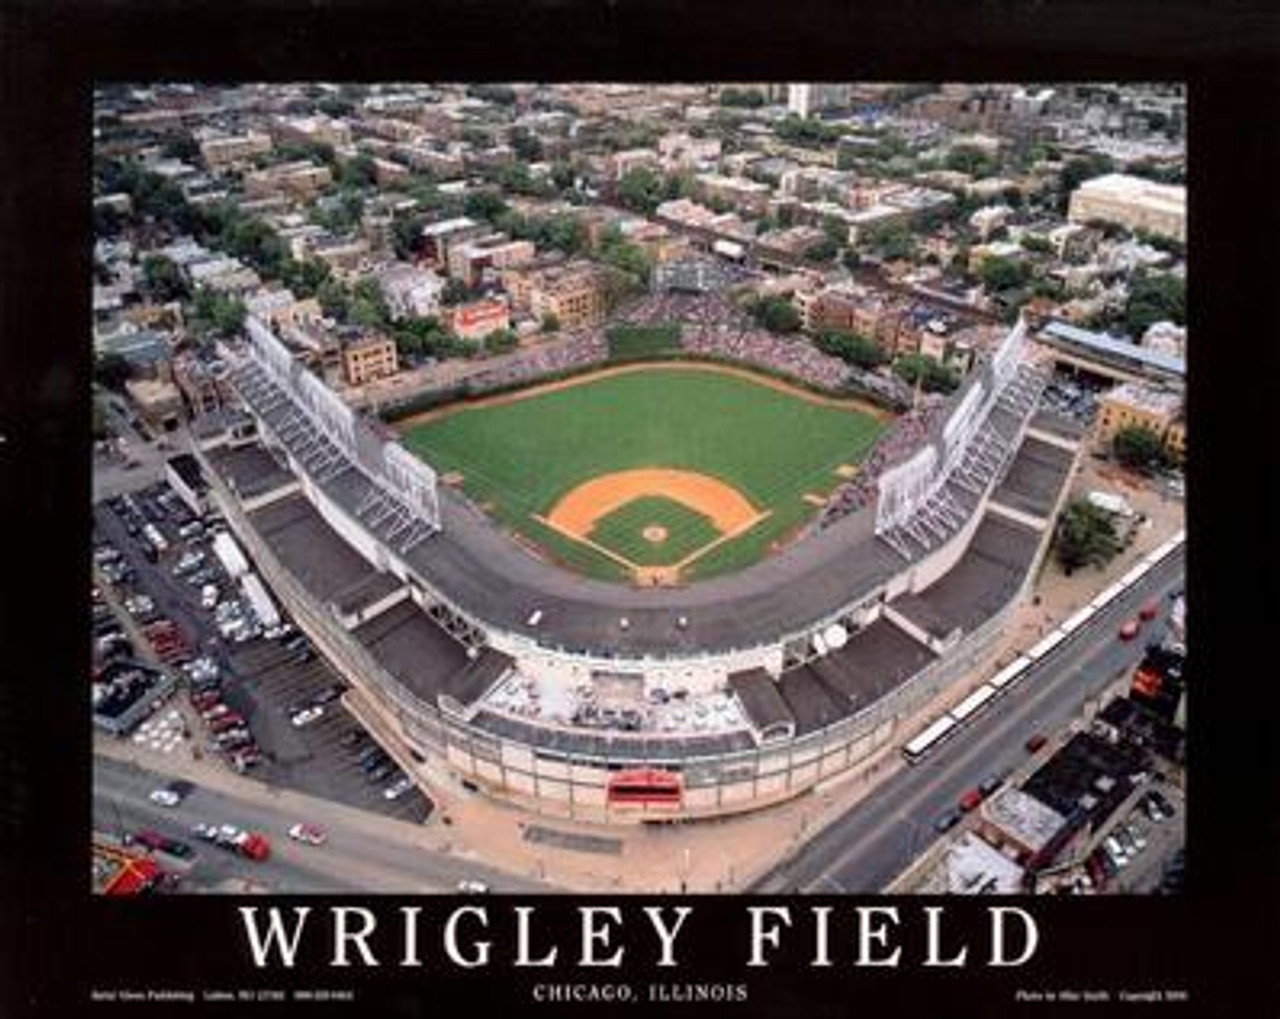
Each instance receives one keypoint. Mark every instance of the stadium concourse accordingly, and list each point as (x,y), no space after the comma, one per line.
(607,703)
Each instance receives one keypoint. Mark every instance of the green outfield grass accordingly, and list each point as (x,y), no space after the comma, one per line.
(622,531)
(520,458)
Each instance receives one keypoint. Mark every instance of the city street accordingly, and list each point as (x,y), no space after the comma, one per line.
(867,847)
(364,852)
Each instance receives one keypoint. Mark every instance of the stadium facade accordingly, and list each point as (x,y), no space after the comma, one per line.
(473,659)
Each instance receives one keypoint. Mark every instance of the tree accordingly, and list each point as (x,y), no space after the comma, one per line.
(999,274)
(751,98)
(111,371)
(822,251)
(933,376)
(1086,536)
(368,306)
(1077,171)
(1154,297)
(500,341)
(550,323)
(891,241)
(562,175)
(776,314)
(640,190)
(971,160)
(304,277)
(162,280)
(358,172)
(215,314)
(455,292)
(334,300)
(484,205)
(852,347)
(503,95)
(1138,447)
(180,145)
(526,145)
(406,236)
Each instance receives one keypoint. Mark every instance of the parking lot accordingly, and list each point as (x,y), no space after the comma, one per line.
(246,705)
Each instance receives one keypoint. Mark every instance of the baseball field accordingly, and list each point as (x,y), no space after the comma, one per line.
(651,474)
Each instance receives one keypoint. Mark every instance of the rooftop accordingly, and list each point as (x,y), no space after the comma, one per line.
(1152,399)
(1022,817)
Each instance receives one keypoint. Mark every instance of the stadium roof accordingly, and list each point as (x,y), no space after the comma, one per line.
(758,694)
(1109,346)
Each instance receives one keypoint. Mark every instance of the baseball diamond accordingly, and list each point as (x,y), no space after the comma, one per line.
(733,462)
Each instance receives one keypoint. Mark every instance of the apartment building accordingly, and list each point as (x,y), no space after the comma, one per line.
(220,151)
(1132,202)
(477,319)
(1157,408)
(371,358)
(301,180)
(574,294)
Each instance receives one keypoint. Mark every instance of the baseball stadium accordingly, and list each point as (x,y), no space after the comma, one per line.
(675,586)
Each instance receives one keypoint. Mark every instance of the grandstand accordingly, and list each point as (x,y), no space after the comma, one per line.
(538,685)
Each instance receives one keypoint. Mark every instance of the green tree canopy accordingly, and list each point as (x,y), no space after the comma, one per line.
(641,190)
(852,347)
(162,280)
(934,377)
(1086,536)
(1138,447)
(776,314)
(215,314)
(1154,297)
(999,274)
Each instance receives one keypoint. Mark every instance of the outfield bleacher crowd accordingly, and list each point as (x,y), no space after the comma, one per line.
(895,445)
(581,349)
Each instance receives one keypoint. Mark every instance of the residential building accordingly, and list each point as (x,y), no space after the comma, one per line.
(301,180)
(437,238)
(1133,202)
(203,390)
(373,357)
(410,292)
(1157,408)
(318,128)
(158,401)
(477,319)
(619,164)
(467,261)
(280,308)
(574,294)
(345,256)
(387,171)
(682,151)
(748,196)
(220,151)
(807,100)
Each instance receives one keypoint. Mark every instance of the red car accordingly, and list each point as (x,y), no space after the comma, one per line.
(1149,611)
(970,800)
(1130,629)
(1036,742)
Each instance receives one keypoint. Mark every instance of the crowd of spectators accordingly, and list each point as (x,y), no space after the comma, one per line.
(714,326)
(907,434)
(579,350)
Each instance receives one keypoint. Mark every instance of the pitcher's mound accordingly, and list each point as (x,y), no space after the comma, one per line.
(655,534)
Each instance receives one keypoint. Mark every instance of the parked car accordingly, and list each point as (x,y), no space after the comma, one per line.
(1036,742)
(992,782)
(947,821)
(1149,611)
(163,844)
(308,833)
(173,793)
(307,716)
(329,694)
(1129,629)
(381,772)
(971,800)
